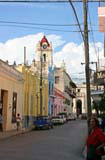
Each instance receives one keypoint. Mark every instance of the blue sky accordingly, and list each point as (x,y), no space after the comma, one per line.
(51,13)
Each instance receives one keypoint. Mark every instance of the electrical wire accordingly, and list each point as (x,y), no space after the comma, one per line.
(76,18)
(42,24)
(39,28)
(92,35)
(46,1)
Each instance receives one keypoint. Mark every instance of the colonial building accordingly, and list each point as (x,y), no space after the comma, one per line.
(58,102)
(11,95)
(80,100)
(31,97)
(64,83)
(43,65)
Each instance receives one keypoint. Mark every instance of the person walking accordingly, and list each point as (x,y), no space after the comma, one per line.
(95,141)
(18,121)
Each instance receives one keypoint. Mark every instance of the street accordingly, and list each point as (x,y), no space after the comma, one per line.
(64,142)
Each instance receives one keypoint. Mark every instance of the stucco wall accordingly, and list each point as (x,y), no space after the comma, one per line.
(9,85)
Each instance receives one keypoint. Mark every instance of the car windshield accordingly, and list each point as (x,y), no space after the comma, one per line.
(56,117)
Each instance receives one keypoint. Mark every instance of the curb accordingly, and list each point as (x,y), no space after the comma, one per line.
(16,134)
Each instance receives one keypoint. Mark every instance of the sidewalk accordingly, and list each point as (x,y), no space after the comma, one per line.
(8,134)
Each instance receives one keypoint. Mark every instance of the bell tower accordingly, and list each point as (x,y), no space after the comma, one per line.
(44,54)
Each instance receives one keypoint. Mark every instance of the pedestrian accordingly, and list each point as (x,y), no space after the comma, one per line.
(18,121)
(95,141)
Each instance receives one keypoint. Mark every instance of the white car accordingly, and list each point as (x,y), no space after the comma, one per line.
(72,116)
(57,120)
(63,117)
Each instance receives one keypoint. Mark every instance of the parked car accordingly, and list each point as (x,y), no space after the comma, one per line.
(57,120)
(63,115)
(72,116)
(43,122)
(63,118)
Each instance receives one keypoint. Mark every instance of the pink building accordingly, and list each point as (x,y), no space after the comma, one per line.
(101,17)
(58,102)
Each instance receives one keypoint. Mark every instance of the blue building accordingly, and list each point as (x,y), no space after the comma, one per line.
(50,90)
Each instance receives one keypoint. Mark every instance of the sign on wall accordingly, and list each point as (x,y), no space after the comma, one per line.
(101,17)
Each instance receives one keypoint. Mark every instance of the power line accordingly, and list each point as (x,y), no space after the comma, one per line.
(76,18)
(92,35)
(44,24)
(46,1)
(40,28)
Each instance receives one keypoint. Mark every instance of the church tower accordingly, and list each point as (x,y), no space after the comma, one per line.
(44,54)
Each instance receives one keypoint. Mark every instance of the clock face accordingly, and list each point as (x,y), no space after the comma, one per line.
(45,46)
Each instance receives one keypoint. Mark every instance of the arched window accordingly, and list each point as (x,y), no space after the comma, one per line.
(44,57)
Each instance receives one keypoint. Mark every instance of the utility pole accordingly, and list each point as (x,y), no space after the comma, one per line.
(104,56)
(41,83)
(89,112)
(104,44)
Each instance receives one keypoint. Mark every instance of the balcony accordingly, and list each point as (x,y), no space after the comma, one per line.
(70,92)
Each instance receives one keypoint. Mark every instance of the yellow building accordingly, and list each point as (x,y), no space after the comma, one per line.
(45,97)
(11,86)
(30,90)
(31,101)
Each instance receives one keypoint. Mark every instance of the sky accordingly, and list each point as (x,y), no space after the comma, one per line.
(66,41)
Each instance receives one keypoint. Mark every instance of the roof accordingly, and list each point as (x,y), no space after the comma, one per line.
(44,39)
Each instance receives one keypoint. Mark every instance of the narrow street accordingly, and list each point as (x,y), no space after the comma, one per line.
(64,142)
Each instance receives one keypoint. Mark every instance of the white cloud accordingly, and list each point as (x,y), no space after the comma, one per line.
(14,49)
(71,53)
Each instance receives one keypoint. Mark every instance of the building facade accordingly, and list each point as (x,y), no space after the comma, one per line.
(11,95)
(58,102)
(43,65)
(30,90)
(64,83)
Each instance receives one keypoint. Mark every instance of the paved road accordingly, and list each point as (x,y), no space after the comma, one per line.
(64,142)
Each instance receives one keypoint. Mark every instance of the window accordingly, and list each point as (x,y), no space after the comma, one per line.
(78,90)
(31,104)
(52,88)
(14,105)
(49,88)
(57,80)
(44,57)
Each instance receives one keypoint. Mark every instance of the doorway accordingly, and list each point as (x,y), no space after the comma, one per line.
(79,107)
(3,109)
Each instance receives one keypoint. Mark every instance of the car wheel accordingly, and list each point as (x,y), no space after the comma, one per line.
(52,127)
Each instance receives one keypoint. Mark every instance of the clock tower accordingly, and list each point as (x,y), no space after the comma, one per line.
(44,54)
